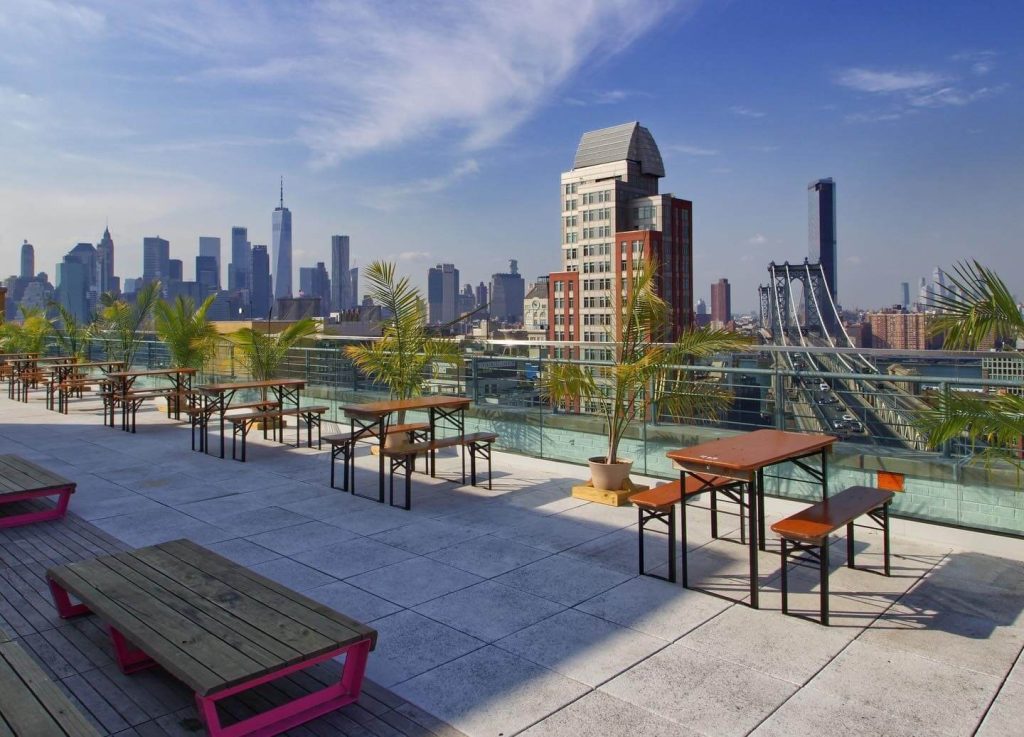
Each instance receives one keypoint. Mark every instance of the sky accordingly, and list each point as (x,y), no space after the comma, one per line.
(436,132)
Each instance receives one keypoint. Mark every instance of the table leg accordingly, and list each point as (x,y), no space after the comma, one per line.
(824,474)
(754,511)
(381,437)
(760,509)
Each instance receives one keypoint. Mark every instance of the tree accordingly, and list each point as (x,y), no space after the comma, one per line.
(71,334)
(642,372)
(33,332)
(122,323)
(976,306)
(406,352)
(262,353)
(190,337)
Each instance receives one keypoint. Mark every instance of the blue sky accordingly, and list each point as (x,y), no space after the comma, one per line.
(437,132)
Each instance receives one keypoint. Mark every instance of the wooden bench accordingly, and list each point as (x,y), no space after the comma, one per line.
(31,705)
(199,414)
(218,627)
(658,505)
(271,419)
(21,480)
(808,531)
(343,446)
(404,459)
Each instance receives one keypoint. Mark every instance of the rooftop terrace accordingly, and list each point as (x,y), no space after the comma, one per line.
(519,610)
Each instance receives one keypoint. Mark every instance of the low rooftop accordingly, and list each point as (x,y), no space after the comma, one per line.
(517,610)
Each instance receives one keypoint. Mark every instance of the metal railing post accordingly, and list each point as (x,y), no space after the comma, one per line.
(780,399)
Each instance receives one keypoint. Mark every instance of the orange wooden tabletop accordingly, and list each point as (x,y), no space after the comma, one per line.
(387,406)
(752,450)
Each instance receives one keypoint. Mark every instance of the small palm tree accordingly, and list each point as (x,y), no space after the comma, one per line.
(642,371)
(406,351)
(977,306)
(122,323)
(190,337)
(72,335)
(262,353)
(34,331)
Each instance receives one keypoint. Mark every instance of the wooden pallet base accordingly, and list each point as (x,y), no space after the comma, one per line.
(604,496)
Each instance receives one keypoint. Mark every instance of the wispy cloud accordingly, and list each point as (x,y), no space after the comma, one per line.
(757,240)
(605,97)
(871,80)
(392,196)
(681,148)
(746,112)
(906,92)
(981,62)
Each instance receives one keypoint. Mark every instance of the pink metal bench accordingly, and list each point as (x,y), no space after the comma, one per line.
(21,480)
(217,627)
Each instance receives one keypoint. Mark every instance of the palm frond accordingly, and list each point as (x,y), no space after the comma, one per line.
(992,424)
(977,306)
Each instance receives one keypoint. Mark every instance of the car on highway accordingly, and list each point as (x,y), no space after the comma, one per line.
(849,418)
(823,386)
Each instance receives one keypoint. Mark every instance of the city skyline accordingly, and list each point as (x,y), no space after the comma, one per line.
(905,127)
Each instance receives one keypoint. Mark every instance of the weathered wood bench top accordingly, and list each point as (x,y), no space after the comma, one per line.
(31,705)
(208,621)
(819,520)
(18,475)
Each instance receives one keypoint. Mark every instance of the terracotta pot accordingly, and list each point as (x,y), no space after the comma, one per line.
(609,476)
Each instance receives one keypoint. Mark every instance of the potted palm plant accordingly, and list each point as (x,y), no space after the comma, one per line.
(640,375)
(190,337)
(262,353)
(406,351)
(977,306)
(122,323)
(72,335)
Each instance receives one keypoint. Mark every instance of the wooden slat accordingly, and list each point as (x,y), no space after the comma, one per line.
(819,520)
(310,613)
(32,705)
(174,660)
(18,474)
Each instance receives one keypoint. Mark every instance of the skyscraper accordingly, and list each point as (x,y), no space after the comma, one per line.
(206,274)
(282,221)
(821,224)
(613,220)
(76,276)
(507,293)
(481,299)
(156,259)
(241,260)
(210,246)
(28,260)
(922,295)
(721,303)
(353,286)
(340,297)
(175,269)
(105,263)
(442,294)
(905,294)
(260,295)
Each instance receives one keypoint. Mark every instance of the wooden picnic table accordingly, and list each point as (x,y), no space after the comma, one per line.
(62,373)
(371,418)
(25,373)
(123,381)
(216,626)
(745,458)
(217,400)
(21,479)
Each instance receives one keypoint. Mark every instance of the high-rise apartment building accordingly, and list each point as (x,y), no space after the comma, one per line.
(341,299)
(721,303)
(156,259)
(282,222)
(899,330)
(210,246)
(442,294)
(260,293)
(821,225)
(28,260)
(613,220)
(240,269)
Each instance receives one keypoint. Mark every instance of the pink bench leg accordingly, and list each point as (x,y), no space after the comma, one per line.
(130,659)
(58,511)
(286,716)
(62,601)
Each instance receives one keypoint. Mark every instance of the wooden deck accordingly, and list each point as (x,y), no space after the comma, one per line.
(77,655)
